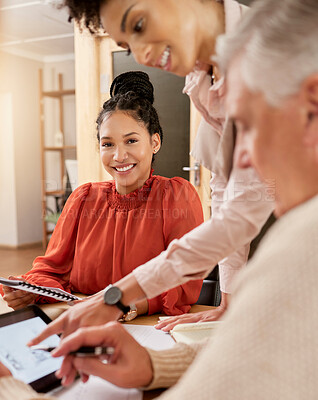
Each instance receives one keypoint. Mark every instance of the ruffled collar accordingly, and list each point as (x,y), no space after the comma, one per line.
(132,200)
(207,97)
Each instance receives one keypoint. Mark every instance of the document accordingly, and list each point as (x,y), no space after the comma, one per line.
(96,389)
(151,337)
(99,389)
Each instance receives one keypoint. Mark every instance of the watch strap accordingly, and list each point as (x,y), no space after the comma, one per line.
(122,307)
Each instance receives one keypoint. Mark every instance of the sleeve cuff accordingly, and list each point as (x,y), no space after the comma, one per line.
(155,305)
(227,278)
(169,365)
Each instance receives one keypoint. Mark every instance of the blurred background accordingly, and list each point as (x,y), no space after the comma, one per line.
(36,50)
(34,37)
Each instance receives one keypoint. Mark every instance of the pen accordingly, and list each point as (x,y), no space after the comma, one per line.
(84,351)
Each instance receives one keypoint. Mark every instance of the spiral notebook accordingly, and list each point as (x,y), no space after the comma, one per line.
(55,293)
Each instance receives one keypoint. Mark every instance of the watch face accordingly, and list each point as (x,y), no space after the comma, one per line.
(112,295)
(132,314)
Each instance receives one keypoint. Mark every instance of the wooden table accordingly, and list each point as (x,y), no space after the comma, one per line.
(54,310)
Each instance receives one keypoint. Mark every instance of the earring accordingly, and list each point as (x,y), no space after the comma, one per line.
(155,151)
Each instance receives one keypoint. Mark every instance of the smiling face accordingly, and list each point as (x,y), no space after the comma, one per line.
(273,140)
(126,151)
(166,34)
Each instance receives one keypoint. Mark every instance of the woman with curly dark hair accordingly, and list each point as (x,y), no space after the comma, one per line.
(179,37)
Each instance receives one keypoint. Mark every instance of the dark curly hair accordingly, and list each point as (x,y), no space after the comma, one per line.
(133,93)
(86,11)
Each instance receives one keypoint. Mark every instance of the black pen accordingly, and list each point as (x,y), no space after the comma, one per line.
(84,351)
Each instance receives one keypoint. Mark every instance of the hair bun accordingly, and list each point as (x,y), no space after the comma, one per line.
(133,81)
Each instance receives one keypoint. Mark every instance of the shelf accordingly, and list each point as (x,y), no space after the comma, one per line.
(60,151)
(59,148)
(59,93)
(55,193)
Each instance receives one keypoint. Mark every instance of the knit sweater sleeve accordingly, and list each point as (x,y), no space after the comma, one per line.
(169,365)
(11,388)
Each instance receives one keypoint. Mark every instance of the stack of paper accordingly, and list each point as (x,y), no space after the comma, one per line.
(194,332)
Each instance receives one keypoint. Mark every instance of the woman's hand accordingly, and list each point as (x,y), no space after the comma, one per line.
(4,371)
(92,311)
(89,312)
(129,366)
(17,299)
(203,316)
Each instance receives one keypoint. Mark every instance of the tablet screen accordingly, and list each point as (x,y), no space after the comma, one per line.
(26,364)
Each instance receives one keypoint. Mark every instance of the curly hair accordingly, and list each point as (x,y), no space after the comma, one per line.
(86,11)
(133,93)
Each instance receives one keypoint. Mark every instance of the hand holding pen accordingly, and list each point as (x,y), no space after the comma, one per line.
(84,351)
(128,365)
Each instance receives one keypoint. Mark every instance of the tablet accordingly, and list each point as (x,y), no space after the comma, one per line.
(35,367)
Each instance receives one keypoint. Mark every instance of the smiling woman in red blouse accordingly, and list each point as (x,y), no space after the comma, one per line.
(109,228)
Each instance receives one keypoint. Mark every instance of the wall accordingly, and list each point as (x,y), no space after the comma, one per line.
(20,168)
(19,79)
(8,211)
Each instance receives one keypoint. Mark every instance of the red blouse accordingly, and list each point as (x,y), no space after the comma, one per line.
(101,236)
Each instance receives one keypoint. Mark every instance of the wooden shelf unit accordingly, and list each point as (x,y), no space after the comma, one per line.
(59,148)
(59,95)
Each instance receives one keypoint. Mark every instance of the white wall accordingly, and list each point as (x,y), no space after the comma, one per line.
(19,78)
(20,175)
(8,211)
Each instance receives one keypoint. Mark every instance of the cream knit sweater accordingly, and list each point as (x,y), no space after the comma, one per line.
(267,347)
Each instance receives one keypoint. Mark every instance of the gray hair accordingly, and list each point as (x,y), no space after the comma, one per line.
(278,40)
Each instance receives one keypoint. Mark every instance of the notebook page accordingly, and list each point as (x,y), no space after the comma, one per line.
(98,389)
(194,332)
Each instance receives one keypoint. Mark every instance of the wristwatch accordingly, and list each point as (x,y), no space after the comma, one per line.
(132,314)
(112,297)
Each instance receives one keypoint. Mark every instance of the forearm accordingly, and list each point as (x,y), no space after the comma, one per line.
(142,306)
(132,291)
(230,266)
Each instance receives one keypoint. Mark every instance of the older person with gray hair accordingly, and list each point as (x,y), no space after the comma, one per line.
(266,348)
